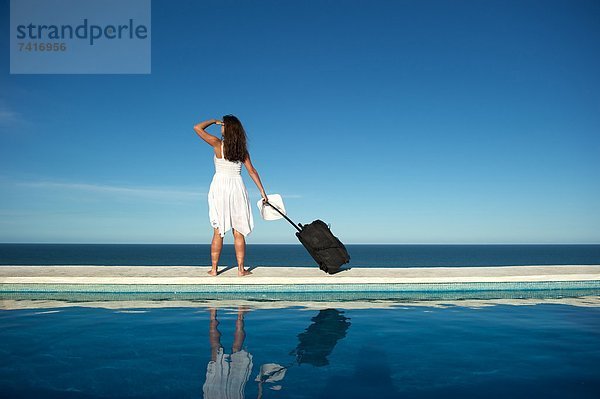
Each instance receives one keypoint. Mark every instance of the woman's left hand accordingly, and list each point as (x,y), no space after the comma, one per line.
(218,122)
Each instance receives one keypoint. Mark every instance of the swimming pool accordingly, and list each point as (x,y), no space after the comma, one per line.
(145,345)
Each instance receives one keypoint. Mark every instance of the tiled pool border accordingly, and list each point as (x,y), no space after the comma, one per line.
(340,296)
(283,288)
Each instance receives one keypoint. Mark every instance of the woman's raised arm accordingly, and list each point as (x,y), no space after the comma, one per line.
(204,135)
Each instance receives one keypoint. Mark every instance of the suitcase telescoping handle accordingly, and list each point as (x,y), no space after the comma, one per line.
(287,218)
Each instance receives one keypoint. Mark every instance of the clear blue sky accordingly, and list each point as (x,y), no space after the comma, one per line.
(395,121)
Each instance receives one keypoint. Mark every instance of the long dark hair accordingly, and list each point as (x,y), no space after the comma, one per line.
(234,139)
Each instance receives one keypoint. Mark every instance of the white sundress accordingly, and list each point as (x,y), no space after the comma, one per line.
(226,377)
(228,202)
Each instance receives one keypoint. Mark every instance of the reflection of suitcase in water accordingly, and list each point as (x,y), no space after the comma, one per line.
(325,248)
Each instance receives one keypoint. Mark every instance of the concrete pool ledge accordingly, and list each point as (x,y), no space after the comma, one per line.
(272,279)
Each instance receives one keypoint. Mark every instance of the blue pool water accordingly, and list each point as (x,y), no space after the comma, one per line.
(296,255)
(62,349)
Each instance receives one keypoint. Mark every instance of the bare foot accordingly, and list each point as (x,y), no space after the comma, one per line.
(212,272)
(244,273)
(242,310)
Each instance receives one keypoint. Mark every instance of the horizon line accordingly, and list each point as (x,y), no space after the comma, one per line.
(298,243)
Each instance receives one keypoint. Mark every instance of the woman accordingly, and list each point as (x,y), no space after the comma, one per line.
(228,203)
(227,373)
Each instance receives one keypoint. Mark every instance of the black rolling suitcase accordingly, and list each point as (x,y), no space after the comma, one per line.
(325,248)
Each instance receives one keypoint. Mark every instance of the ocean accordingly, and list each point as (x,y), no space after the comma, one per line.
(295,255)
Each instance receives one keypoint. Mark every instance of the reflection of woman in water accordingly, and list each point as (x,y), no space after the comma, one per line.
(227,374)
